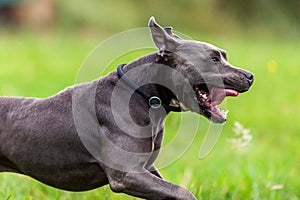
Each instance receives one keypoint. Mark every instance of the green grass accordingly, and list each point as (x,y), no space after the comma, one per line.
(42,65)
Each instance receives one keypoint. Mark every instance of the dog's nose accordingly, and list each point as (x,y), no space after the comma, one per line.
(249,77)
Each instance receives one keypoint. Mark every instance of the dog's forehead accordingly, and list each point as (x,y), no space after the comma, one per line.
(209,47)
(203,47)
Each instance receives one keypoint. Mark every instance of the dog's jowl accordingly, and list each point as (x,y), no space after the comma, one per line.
(109,131)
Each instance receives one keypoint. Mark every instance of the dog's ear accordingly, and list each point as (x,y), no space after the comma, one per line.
(169,30)
(164,39)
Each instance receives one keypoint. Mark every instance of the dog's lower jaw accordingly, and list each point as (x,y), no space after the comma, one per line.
(212,117)
(201,110)
(217,119)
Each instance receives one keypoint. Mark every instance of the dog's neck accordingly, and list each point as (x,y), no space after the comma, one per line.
(167,59)
(148,59)
(152,73)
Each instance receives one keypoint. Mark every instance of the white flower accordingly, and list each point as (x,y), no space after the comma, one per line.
(242,136)
(277,187)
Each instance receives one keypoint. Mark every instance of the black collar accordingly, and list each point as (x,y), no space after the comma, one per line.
(152,100)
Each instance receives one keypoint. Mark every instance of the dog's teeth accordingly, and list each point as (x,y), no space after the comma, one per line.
(204,96)
(224,113)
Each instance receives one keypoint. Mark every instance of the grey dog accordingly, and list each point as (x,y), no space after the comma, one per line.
(41,138)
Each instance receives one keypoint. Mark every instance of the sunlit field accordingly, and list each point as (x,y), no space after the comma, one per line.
(268,167)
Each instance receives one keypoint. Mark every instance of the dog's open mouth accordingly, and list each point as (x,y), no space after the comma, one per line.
(209,99)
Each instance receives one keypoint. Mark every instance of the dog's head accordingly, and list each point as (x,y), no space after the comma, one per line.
(206,69)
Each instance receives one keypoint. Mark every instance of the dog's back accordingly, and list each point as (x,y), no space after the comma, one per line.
(10,107)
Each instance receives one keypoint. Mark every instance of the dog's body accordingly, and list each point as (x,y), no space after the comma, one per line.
(39,137)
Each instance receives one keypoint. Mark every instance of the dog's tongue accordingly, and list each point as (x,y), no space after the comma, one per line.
(217,95)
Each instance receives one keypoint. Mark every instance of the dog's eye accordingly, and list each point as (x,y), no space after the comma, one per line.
(215,59)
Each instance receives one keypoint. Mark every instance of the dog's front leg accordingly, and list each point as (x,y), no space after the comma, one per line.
(146,185)
(153,170)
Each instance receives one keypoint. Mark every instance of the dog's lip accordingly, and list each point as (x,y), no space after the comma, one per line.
(209,99)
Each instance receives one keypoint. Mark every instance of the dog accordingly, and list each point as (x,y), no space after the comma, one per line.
(41,138)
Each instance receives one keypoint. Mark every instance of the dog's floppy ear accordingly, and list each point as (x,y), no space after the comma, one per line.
(163,38)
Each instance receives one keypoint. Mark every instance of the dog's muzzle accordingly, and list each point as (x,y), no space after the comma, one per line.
(209,97)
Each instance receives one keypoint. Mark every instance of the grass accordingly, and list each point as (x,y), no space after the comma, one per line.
(268,168)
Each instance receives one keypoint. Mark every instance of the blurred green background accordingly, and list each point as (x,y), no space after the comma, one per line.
(43,44)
